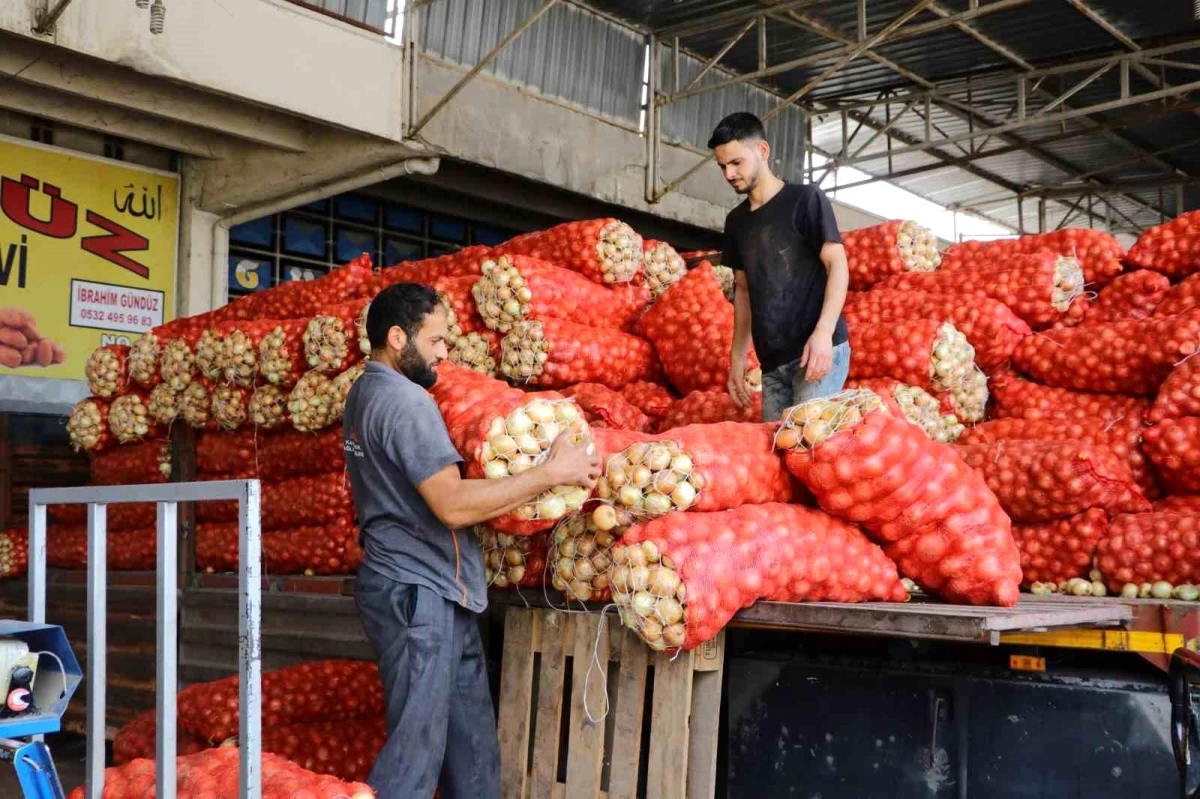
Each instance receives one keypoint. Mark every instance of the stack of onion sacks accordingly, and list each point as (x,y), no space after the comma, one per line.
(877,252)
(603,250)
(679,579)
(932,514)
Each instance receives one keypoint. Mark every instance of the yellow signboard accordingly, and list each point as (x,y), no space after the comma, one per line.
(87,256)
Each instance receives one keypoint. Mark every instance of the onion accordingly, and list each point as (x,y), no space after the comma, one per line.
(683,496)
(604,517)
(1129,591)
(495,470)
(656,504)
(1161,590)
(540,412)
(630,497)
(518,423)
(674,635)
(642,603)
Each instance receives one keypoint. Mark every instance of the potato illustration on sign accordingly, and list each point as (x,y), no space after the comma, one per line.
(22,345)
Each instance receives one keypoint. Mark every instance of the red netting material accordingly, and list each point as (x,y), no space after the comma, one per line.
(1014,397)
(1041,288)
(136,739)
(603,250)
(1122,436)
(718,563)
(1181,298)
(934,515)
(14,553)
(270,455)
(87,426)
(128,550)
(1172,248)
(302,298)
(709,407)
(1133,295)
(1059,550)
(147,462)
(1182,503)
(1130,357)
(554,353)
(317,691)
(331,548)
(654,399)
(991,328)
(607,408)
(1179,395)
(880,251)
(1099,253)
(297,502)
(467,261)
(691,327)
(1044,480)
(214,773)
(1148,547)
(1173,446)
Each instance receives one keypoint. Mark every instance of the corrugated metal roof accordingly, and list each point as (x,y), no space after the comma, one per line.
(1038,33)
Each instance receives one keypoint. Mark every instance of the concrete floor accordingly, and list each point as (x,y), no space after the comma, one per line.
(69,751)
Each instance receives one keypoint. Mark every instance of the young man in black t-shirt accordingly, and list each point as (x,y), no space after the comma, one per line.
(790,275)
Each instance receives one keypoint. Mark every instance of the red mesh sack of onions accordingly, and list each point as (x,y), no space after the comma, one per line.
(1134,295)
(177,361)
(217,546)
(303,298)
(652,398)
(105,370)
(918,406)
(281,353)
(1122,436)
(147,462)
(1180,503)
(516,288)
(137,739)
(555,353)
(1130,357)
(1013,397)
(1043,480)
(464,397)
(236,356)
(990,327)
(602,250)
(1179,395)
(580,554)
(128,549)
(343,749)
(121,516)
(926,353)
(880,251)
(335,338)
(1181,298)
(214,773)
(514,436)
(168,345)
(195,404)
(317,691)
(1172,248)
(1098,252)
(87,426)
(1150,548)
(269,456)
(701,467)
(313,403)
(607,408)
(662,266)
(1059,550)
(467,261)
(709,407)
(513,561)
(679,579)
(691,328)
(933,514)
(1173,446)
(312,500)
(14,553)
(329,549)
(1042,288)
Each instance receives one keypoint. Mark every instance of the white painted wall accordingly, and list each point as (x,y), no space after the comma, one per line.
(270,52)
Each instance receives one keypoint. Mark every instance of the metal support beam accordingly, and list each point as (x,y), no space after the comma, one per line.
(652,140)
(483,62)
(716,59)
(762,43)
(725,19)
(46,20)
(862,20)
(889,34)
(1123,187)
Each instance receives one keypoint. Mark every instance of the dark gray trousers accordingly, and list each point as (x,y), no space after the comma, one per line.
(439,706)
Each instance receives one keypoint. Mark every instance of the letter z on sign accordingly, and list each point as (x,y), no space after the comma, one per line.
(106,307)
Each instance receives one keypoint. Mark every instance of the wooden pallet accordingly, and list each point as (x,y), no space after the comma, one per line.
(680,700)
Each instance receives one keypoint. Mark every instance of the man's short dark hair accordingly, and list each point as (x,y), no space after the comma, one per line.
(742,126)
(403,305)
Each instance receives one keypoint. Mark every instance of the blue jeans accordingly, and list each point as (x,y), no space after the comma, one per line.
(787,386)
(440,721)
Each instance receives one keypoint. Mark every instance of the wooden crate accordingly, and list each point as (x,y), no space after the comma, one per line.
(681,696)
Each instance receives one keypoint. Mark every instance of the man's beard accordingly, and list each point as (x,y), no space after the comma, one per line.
(416,368)
(747,188)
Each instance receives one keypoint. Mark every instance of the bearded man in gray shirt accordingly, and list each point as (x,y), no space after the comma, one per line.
(421,585)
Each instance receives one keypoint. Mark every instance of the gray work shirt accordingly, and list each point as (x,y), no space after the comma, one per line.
(395,439)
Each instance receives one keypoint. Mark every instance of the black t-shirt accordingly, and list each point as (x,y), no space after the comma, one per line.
(778,246)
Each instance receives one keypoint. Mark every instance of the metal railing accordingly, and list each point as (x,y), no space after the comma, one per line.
(167,496)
